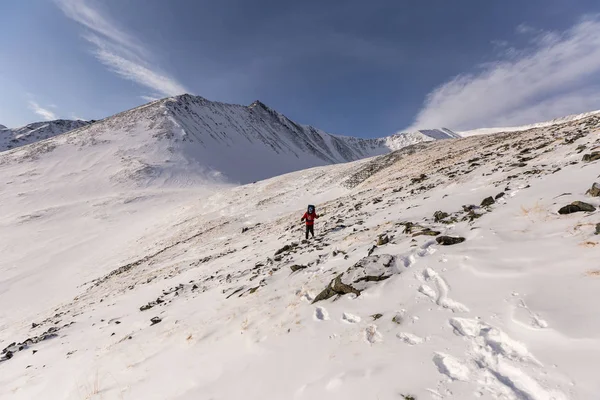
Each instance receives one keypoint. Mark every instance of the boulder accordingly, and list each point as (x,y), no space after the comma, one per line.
(592,156)
(597,229)
(295,267)
(584,206)
(440,215)
(576,206)
(383,240)
(488,201)
(449,240)
(155,320)
(594,191)
(499,195)
(427,232)
(360,276)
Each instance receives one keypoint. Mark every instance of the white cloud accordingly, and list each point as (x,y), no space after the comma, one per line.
(118,50)
(552,79)
(42,112)
(149,98)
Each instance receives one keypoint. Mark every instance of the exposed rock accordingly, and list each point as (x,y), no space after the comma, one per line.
(499,195)
(360,276)
(449,240)
(397,319)
(592,156)
(376,316)
(594,191)
(155,320)
(488,201)
(597,229)
(295,267)
(371,250)
(440,215)
(419,179)
(286,248)
(569,209)
(427,232)
(377,200)
(584,206)
(383,240)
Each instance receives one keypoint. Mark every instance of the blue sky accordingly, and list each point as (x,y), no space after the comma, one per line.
(348,67)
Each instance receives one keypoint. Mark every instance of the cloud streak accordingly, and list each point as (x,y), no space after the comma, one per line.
(119,51)
(42,112)
(553,78)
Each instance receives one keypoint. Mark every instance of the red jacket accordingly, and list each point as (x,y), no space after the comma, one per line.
(310,218)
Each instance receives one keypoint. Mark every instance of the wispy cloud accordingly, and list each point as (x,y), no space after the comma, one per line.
(42,112)
(118,50)
(553,78)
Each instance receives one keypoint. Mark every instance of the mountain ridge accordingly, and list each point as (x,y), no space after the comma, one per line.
(188,139)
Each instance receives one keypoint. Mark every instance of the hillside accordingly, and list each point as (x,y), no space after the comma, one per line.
(443,270)
(35,132)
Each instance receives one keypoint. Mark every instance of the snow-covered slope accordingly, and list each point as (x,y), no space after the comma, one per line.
(35,132)
(171,293)
(557,121)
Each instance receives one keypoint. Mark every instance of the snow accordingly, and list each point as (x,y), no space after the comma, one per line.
(97,226)
(545,124)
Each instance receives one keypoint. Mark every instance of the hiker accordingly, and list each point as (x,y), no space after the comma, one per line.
(310,217)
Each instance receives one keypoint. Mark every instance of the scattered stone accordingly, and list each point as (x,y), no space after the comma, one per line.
(286,248)
(245,229)
(377,200)
(591,157)
(383,240)
(419,179)
(440,215)
(371,250)
(148,306)
(427,232)
(295,267)
(584,206)
(155,320)
(576,206)
(449,240)
(594,191)
(397,319)
(376,316)
(499,195)
(360,276)
(488,201)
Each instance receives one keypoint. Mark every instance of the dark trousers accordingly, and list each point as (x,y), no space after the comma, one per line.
(310,229)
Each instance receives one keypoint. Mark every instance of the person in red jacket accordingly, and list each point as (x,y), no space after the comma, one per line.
(310,217)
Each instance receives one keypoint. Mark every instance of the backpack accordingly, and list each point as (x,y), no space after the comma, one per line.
(311,207)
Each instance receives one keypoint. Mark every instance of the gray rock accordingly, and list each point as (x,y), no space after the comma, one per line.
(155,320)
(594,191)
(440,215)
(592,156)
(584,206)
(449,240)
(360,276)
(499,195)
(295,268)
(488,201)
(382,240)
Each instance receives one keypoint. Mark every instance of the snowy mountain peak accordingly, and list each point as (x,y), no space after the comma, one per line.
(189,140)
(35,132)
